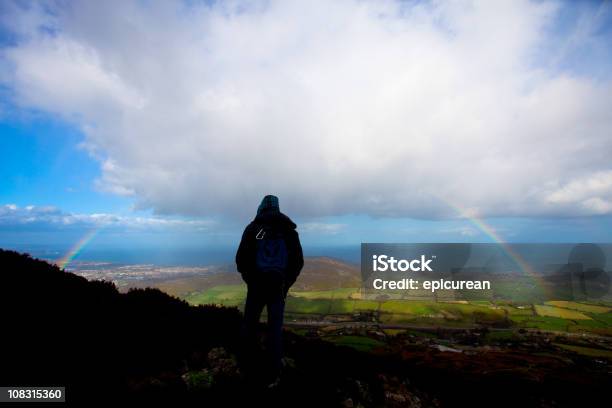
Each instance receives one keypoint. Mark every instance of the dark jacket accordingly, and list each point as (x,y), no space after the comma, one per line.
(245,257)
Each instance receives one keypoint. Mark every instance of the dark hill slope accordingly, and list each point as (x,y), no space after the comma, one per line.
(62,329)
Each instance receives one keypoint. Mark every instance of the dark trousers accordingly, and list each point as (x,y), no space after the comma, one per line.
(273,297)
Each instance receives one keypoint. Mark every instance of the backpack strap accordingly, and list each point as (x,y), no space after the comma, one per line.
(260,234)
(262,230)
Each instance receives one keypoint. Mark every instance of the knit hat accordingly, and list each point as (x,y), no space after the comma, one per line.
(269,203)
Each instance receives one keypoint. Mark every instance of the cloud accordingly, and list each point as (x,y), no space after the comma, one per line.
(461,230)
(321,228)
(589,193)
(350,107)
(47,217)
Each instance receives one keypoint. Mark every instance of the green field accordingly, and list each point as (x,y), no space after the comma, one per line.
(553,311)
(582,307)
(340,293)
(552,315)
(227,295)
(361,343)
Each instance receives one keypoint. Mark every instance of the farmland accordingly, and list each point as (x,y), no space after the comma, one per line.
(347,304)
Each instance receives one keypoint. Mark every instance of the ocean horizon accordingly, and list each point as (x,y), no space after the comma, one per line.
(167,256)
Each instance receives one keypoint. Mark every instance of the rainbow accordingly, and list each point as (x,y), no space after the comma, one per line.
(489,231)
(76,248)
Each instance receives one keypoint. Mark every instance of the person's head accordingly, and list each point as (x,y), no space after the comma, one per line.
(269,203)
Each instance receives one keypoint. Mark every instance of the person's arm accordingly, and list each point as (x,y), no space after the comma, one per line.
(300,256)
(244,254)
(296,259)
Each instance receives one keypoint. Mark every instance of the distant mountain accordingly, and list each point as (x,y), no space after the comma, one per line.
(324,273)
(319,273)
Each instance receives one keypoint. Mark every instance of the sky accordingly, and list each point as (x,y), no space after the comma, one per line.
(162,124)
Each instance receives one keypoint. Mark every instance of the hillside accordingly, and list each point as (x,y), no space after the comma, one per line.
(319,273)
(148,346)
(86,335)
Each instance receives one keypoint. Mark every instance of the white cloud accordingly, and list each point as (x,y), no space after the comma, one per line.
(590,193)
(321,228)
(12,216)
(463,231)
(383,108)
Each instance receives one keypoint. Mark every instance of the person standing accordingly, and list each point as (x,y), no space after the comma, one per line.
(269,259)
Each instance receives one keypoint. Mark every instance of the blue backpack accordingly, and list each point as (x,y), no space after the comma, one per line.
(271,257)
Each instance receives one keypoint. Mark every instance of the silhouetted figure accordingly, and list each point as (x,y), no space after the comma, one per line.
(269,259)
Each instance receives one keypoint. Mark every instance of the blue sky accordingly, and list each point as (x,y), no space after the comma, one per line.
(369,128)
(43,165)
